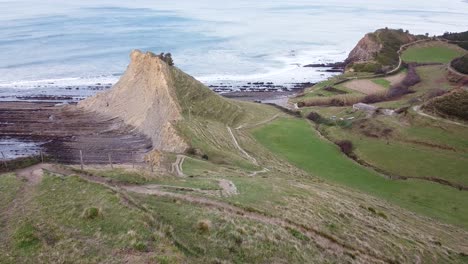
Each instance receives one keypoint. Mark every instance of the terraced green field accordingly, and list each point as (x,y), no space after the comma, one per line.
(441,53)
(296,141)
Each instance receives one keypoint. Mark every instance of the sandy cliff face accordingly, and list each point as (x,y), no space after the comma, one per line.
(145,99)
(365,50)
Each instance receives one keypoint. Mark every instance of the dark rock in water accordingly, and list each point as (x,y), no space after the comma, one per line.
(326,65)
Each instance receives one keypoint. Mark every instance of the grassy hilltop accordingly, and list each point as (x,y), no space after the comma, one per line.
(258,185)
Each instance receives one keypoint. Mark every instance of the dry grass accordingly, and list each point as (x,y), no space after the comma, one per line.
(364,86)
(338,100)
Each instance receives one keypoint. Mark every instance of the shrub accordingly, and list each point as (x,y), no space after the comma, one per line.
(140,246)
(375,98)
(435,93)
(334,90)
(461,64)
(367,67)
(204,226)
(454,104)
(205,157)
(337,100)
(91,213)
(167,58)
(412,78)
(346,146)
(315,117)
(297,234)
(191,151)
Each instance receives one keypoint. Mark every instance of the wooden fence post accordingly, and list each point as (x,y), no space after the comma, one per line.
(133,159)
(42,157)
(4,161)
(110,161)
(81,159)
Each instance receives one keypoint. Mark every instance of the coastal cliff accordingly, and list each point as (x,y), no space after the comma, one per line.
(378,51)
(144,98)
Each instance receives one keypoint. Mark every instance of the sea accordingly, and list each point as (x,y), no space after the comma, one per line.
(72,49)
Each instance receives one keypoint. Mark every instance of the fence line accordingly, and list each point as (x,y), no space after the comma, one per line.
(84,159)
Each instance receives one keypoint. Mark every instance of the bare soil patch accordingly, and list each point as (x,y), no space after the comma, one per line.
(396,79)
(364,86)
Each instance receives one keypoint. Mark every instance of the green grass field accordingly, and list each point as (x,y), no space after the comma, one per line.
(440,53)
(382,82)
(296,141)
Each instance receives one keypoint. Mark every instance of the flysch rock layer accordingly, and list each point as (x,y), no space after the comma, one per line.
(144,97)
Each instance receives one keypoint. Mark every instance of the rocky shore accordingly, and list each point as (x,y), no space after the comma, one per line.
(61,132)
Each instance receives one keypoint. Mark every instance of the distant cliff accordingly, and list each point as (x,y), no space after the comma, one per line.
(378,51)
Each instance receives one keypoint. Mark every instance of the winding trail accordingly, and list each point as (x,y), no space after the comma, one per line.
(176,167)
(418,110)
(452,70)
(228,188)
(252,159)
(246,126)
(325,241)
(265,170)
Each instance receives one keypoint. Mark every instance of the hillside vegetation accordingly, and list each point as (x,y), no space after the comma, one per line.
(378,51)
(460,39)
(461,64)
(415,139)
(452,105)
(253,184)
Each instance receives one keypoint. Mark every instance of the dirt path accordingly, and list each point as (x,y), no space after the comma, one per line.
(396,79)
(228,188)
(31,176)
(323,240)
(245,126)
(452,70)
(176,167)
(265,170)
(252,159)
(418,110)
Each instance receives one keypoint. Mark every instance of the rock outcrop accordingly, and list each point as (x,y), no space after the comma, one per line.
(365,50)
(144,98)
(379,50)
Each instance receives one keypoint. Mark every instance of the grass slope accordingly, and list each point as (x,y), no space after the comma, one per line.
(296,141)
(207,116)
(69,220)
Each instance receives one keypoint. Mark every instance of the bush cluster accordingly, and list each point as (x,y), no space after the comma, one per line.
(461,64)
(412,78)
(166,57)
(454,104)
(346,146)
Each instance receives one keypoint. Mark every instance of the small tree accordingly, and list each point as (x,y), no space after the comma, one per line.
(168,59)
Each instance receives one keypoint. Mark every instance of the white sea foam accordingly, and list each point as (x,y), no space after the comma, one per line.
(55,43)
(61,82)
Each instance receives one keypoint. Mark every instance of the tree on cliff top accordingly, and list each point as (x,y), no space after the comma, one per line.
(167,58)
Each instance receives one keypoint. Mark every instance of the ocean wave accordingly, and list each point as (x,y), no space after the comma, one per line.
(61,82)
